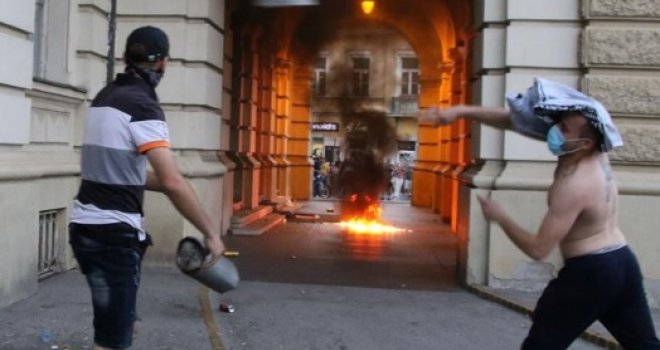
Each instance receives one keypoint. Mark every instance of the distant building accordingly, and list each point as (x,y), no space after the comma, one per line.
(383,74)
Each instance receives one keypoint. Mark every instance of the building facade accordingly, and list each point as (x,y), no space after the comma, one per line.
(238,99)
(54,60)
(383,73)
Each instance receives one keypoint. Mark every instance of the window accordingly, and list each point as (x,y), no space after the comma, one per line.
(39,68)
(409,76)
(51,40)
(320,75)
(361,76)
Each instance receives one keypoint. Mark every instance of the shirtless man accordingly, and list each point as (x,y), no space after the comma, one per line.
(601,279)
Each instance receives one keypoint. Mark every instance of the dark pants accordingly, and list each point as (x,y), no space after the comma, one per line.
(110,257)
(606,287)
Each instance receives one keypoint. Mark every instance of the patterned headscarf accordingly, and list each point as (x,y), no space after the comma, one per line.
(534,112)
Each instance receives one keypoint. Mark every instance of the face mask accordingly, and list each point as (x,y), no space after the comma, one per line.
(556,142)
(151,76)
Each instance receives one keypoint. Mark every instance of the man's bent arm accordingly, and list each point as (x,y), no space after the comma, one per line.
(532,245)
(171,182)
(558,221)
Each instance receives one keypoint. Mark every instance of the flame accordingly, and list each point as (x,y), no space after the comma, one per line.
(362,226)
(368,221)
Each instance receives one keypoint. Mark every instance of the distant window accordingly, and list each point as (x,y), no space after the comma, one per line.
(361,76)
(409,76)
(320,75)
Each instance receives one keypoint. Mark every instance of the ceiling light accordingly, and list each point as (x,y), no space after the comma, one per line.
(368,6)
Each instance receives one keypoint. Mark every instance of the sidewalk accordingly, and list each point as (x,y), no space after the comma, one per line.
(270,316)
(517,300)
(304,286)
(59,315)
(525,301)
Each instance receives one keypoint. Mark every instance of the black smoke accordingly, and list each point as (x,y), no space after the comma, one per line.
(369,138)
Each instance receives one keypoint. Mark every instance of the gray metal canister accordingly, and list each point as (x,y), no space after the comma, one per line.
(218,273)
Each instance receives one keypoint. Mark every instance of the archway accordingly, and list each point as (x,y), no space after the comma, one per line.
(275,90)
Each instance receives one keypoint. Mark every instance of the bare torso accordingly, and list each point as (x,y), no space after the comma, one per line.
(596,226)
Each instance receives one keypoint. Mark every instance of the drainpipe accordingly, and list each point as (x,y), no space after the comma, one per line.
(112,29)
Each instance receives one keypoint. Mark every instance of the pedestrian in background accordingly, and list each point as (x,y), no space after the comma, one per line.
(125,129)
(398,175)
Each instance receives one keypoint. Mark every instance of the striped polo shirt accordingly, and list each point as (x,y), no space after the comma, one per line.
(124,122)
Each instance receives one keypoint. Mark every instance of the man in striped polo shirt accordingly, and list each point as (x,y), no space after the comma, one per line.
(126,128)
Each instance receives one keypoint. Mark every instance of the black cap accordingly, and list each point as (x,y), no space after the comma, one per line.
(147,44)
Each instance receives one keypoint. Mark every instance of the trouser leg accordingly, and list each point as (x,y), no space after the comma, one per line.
(559,318)
(629,319)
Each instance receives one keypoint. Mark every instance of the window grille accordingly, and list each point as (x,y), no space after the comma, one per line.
(48,241)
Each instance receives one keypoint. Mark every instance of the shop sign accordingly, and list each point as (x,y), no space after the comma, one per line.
(325,127)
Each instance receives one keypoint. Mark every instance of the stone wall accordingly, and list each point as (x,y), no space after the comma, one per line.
(39,167)
(620,51)
(57,64)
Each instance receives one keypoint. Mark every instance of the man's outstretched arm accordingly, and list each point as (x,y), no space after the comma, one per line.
(498,117)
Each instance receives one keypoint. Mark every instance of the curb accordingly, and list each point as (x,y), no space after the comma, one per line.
(587,335)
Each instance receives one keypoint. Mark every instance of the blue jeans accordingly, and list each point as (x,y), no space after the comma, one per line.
(110,257)
(605,287)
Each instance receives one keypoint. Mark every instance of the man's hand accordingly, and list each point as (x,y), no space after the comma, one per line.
(214,245)
(491,209)
(435,116)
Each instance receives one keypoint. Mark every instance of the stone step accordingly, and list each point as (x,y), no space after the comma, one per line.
(248,216)
(259,226)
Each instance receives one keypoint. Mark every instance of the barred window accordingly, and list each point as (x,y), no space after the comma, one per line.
(49,238)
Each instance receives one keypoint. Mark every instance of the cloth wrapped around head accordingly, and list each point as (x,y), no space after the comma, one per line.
(534,112)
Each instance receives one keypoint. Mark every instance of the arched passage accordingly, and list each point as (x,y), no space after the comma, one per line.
(438,31)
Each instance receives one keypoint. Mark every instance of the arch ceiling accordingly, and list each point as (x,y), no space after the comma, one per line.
(433,28)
